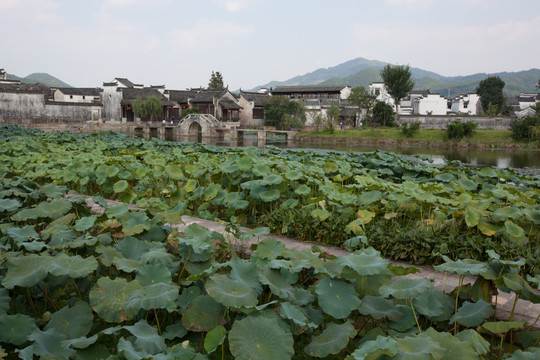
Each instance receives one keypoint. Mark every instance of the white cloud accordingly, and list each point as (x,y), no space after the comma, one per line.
(233,5)
(38,11)
(209,34)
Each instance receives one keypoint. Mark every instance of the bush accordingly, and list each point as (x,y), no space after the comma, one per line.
(410,129)
(526,129)
(383,115)
(458,130)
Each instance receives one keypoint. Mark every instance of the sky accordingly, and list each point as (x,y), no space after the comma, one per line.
(178,43)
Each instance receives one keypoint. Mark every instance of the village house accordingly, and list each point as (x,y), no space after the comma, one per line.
(219,103)
(252,104)
(466,104)
(313,91)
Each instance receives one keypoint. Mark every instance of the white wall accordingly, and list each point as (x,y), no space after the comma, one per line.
(433,104)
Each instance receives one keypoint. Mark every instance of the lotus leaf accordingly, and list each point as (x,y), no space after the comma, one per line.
(84,223)
(277,283)
(74,322)
(337,298)
(320,214)
(272,179)
(246,272)
(52,190)
(157,256)
(270,195)
(173,331)
(80,343)
(214,338)
(505,213)
(376,349)
(293,174)
(365,215)
(260,338)
(302,190)
(332,340)
(533,214)
(480,345)
(149,274)
(154,296)
(4,300)
(147,337)
(261,169)
(132,248)
(16,328)
(244,163)
(366,262)
(53,209)
(48,344)
(444,177)
(117,211)
(230,292)
(120,186)
(25,271)
(270,248)
(379,308)
(135,223)
(9,205)
(22,234)
(72,266)
(187,296)
(369,197)
(467,184)
(513,230)
(433,304)
(465,267)
(109,298)
(454,347)
(501,327)
(517,284)
(175,172)
(330,167)
(472,216)
(533,354)
(489,229)
(473,314)
(405,288)
(294,313)
(25,214)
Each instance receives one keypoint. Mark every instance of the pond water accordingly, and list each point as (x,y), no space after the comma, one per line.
(517,159)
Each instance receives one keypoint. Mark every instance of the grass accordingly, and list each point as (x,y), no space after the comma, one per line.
(480,136)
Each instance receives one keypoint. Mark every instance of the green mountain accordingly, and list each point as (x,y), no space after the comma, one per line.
(42,78)
(362,72)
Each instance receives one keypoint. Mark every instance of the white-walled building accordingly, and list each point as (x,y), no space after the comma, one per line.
(78,95)
(466,104)
(430,104)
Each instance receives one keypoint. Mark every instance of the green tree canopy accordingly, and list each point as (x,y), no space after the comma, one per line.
(364,100)
(382,115)
(216,81)
(490,91)
(151,106)
(283,113)
(398,82)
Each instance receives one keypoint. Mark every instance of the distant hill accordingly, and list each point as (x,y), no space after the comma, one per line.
(362,72)
(42,78)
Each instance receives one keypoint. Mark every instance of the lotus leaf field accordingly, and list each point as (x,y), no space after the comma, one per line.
(123,284)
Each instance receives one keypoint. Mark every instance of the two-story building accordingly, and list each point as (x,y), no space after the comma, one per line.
(313,91)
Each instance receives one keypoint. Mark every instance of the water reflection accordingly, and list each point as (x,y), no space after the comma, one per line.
(501,159)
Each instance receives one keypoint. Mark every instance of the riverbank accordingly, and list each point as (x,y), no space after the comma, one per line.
(429,138)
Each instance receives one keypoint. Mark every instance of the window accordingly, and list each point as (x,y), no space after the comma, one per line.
(71,96)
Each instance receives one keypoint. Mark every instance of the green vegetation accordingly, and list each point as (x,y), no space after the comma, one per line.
(398,82)
(149,107)
(528,128)
(458,130)
(409,130)
(216,81)
(139,289)
(383,115)
(491,95)
(283,113)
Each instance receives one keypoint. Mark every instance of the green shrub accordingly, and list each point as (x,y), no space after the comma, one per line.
(410,129)
(458,130)
(526,129)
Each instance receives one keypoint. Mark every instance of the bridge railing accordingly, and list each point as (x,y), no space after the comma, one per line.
(207,119)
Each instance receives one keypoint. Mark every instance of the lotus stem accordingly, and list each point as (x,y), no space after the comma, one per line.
(535,321)
(460,284)
(184,266)
(512,318)
(415,317)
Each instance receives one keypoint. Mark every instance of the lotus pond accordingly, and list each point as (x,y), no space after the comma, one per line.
(141,290)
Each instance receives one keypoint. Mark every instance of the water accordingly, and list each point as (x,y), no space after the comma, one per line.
(516,159)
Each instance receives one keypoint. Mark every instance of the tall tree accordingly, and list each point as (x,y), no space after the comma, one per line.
(153,106)
(398,82)
(360,97)
(284,113)
(216,81)
(490,91)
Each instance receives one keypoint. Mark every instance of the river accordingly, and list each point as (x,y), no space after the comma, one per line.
(528,160)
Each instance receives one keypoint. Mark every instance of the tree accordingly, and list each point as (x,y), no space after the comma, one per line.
(382,115)
(332,116)
(284,113)
(216,81)
(151,106)
(490,91)
(360,97)
(398,82)
(138,108)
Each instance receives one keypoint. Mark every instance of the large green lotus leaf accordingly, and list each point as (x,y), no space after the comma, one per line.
(294,313)
(230,292)
(505,213)
(202,314)
(260,338)
(532,354)
(73,266)
(261,169)
(244,163)
(533,214)
(365,215)
(175,172)
(52,190)
(520,286)
(320,214)
(48,344)
(501,327)
(109,299)
(4,300)
(198,238)
(73,322)
(465,267)
(157,256)
(270,195)
(415,348)
(53,209)
(337,298)
(454,347)
(276,282)
(513,230)
(9,205)
(380,348)
(467,184)
(25,214)
(80,343)
(489,229)
(444,177)
(405,288)
(378,308)
(135,223)
(238,204)
(480,345)
(150,274)
(473,314)
(293,174)
(117,211)
(22,234)
(369,197)
(330,167)
(132,248)
(129,352)
(332,340)
(431,304)
(173,331)
(289,204)
(155,296)
(364,263)
(272,179)
(472,216)
(16,328)
(211,191)
(127,265)
(214,338)
(302,190)
(245,272)
(187,296)
(84,223)
(147,337)
(25,271)
(270,248)
(120,186)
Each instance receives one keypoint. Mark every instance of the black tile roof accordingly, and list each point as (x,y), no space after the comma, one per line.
(181,96)
(130,94)
(207,96)
(512,100)
(80,91)
(229,104)
(125,82)
(258,99)
(308,88)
